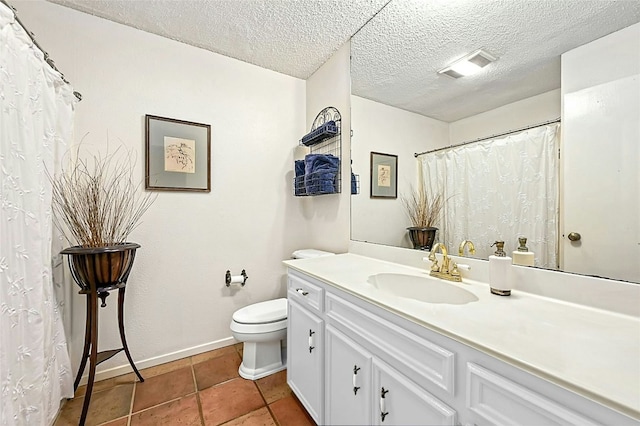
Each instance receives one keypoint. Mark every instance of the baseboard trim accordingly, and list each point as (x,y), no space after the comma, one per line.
(162,359)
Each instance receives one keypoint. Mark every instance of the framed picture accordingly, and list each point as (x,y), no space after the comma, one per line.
(178,155)
(384,175)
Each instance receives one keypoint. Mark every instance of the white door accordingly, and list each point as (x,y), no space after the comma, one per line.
(348,387)
(399,401)
(601,170)
(305,358)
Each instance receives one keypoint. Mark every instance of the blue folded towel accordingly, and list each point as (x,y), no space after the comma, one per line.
(320,173)
(299,188)
(354,184)
(326,130)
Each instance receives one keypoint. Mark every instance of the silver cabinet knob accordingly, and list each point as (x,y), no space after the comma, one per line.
(574,236)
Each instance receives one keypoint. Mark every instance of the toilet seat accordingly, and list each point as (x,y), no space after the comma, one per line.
(263,317)
(262,313)
(240,328)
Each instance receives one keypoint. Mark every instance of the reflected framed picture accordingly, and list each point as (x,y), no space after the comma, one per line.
(178,155)
(384,175)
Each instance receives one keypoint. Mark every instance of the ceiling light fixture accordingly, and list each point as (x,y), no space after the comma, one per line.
(470,64)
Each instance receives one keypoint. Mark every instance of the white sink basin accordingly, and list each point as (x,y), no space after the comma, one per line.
(424,289)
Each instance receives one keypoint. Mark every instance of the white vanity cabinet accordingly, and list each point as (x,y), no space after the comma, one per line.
(305,346)
(402,402)
(371,365)
(348,381)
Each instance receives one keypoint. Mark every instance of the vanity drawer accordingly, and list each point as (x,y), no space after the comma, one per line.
(305,293)
(499,401)
(425,362)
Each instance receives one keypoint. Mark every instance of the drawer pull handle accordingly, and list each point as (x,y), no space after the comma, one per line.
(383,405)
(355,374)
(311,347)
(301,291)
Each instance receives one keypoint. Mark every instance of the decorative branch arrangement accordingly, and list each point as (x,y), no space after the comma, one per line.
(95,200)
(422,208)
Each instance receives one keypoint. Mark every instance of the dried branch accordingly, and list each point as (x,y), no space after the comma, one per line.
(423,208)
(96,202)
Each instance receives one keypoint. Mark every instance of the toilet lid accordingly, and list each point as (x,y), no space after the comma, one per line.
(310,253)
(263,312)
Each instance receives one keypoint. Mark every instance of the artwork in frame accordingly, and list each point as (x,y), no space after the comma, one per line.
(178,155)
(384,175)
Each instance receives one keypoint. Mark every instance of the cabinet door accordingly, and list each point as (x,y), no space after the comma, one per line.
(402,402)
(305,362)
(348,381)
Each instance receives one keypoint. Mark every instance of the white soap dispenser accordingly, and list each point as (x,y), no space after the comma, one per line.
(523,256)
(500,271)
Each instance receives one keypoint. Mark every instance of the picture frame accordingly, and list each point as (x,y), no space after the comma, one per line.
(177,155)
(384,175)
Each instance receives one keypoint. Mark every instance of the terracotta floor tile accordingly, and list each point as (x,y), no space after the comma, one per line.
(274,387)
(163,388)
(213,354)
(168,367)
(123,421)
(261,417)
(105,406)
(229,400)
(101,385)
(217,370)
(290,412)
(183,411)
(239,347)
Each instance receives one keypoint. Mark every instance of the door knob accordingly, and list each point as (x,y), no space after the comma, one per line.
(574,236)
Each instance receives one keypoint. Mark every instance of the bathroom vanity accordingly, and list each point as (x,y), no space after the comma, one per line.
(373,342)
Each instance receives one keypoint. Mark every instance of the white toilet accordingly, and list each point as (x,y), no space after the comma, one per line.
(263,329)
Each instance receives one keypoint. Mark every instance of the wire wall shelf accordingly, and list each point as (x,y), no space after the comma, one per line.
(320,171)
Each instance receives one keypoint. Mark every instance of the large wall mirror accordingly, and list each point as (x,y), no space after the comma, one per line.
(401,106)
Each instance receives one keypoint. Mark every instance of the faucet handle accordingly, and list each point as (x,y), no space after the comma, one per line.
(454,271)
(434,262)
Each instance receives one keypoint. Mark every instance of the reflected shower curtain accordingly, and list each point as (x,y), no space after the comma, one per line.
(36,117)
(500,189)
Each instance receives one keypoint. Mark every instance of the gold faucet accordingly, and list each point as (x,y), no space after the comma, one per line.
(442,271)
(463,244)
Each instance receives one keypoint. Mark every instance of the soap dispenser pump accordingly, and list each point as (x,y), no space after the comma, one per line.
(523,256)
(500,271)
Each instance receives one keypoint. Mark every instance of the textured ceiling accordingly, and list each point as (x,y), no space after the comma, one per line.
(395,56)
(291,37)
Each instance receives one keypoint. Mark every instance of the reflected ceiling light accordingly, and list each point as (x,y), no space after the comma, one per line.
(470,64)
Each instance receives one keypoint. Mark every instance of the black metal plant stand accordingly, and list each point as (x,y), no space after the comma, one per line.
(98,271)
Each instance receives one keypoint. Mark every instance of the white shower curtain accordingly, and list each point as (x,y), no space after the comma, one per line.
(36,118)
(500,189)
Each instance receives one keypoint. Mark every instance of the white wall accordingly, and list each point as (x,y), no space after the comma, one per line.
(328,214)
(527,112)
(177,303)
(382,128)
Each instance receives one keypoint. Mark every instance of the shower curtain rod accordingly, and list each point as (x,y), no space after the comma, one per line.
(48,60)
(522,129)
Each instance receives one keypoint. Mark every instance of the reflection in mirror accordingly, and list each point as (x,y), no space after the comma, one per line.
(499,188)
(402,106)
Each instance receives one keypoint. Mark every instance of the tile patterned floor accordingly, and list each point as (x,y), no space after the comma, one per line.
(204,389)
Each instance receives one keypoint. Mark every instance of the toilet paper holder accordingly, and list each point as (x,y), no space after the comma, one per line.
(241,279)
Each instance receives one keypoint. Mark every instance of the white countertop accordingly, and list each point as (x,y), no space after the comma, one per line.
(593,352)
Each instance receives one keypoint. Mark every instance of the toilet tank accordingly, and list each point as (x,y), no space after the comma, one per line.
(310,253)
